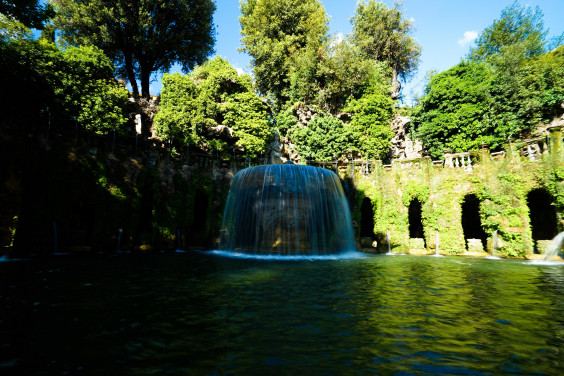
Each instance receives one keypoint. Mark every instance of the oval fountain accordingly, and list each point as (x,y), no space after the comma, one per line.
(286,211)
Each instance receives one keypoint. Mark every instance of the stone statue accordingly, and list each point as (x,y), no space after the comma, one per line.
(275,151)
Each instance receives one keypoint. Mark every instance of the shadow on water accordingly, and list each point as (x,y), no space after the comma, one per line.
(197,313)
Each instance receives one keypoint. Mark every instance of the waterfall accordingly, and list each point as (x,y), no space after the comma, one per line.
(554,247)
(388,241)
(494,243)
(286,210)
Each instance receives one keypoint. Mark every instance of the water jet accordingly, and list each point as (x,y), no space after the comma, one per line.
(554,247)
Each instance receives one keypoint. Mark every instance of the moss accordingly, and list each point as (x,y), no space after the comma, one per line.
(501,186)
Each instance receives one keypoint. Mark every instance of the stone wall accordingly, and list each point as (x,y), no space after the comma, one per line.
(501,181)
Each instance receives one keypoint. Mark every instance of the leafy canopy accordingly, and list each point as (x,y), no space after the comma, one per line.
(280,35)
(507,87)
(383,35)
(75,83)
(140,37)
(194,107)
(517,25)
(31,13)
(323,138)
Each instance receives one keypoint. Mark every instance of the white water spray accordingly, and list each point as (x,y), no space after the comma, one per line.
(554,247)
(388,242)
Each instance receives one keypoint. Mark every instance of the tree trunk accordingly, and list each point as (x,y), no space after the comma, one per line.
(145,81)
(131,75)
(396,85)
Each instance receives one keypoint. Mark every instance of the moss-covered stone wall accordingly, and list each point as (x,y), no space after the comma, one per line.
(500,181)
(75,198)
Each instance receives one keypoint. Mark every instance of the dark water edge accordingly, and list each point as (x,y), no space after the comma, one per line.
(200,314)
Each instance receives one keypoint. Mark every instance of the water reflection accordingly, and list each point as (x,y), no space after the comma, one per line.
(202,314)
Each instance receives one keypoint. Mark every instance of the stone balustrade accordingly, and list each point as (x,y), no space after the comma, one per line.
(534,149)
(464,161)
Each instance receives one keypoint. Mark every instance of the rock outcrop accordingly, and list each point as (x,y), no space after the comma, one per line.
(403,147)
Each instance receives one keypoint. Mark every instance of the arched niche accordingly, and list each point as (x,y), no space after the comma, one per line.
(471,222)
(367,219)
(542,214)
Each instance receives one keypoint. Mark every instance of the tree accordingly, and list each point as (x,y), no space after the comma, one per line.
(517,25)
(214,109)
(383,35)
(140,37)
(344,74)
(75,83)
(277,34)
(323,138)
(28,12)
(453,113)
(371,116)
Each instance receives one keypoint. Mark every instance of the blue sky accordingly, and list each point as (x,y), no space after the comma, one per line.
(444,28)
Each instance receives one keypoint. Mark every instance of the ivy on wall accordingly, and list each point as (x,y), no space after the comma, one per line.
(501,186)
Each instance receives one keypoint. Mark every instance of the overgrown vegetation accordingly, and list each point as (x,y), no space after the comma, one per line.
(76,83)
(511,81)
(214,109)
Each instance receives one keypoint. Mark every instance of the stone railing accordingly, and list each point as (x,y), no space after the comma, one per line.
(463,161)
(534,149)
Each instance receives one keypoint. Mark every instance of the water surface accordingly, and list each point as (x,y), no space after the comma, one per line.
(202,314)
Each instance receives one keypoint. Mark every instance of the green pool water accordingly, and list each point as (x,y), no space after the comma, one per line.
(202,314)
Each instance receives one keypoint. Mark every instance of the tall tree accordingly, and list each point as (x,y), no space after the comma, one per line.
(383,35)
(28,12)
(143,36)
(277,34)
(517,25)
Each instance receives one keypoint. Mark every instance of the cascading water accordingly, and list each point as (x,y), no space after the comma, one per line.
(286,210)
(494,243)
(554,247)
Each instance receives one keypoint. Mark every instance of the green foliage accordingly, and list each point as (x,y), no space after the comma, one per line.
(383,35)
(88,90)
(12,29)
(323,139)
(505,90)
(283,38)
(286,121)
(75,83)
(477,102)
(214,94)
(345,74)
(414,190)
(370,125)
(177,113)
(247,115)
(31,13)
(140,37)
(517,25)
(452,114)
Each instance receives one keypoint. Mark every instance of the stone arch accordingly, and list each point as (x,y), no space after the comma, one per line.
(470,220)
(542,214)
(367,219)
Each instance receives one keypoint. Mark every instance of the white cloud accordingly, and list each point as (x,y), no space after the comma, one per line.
(240,71)
(469,37)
